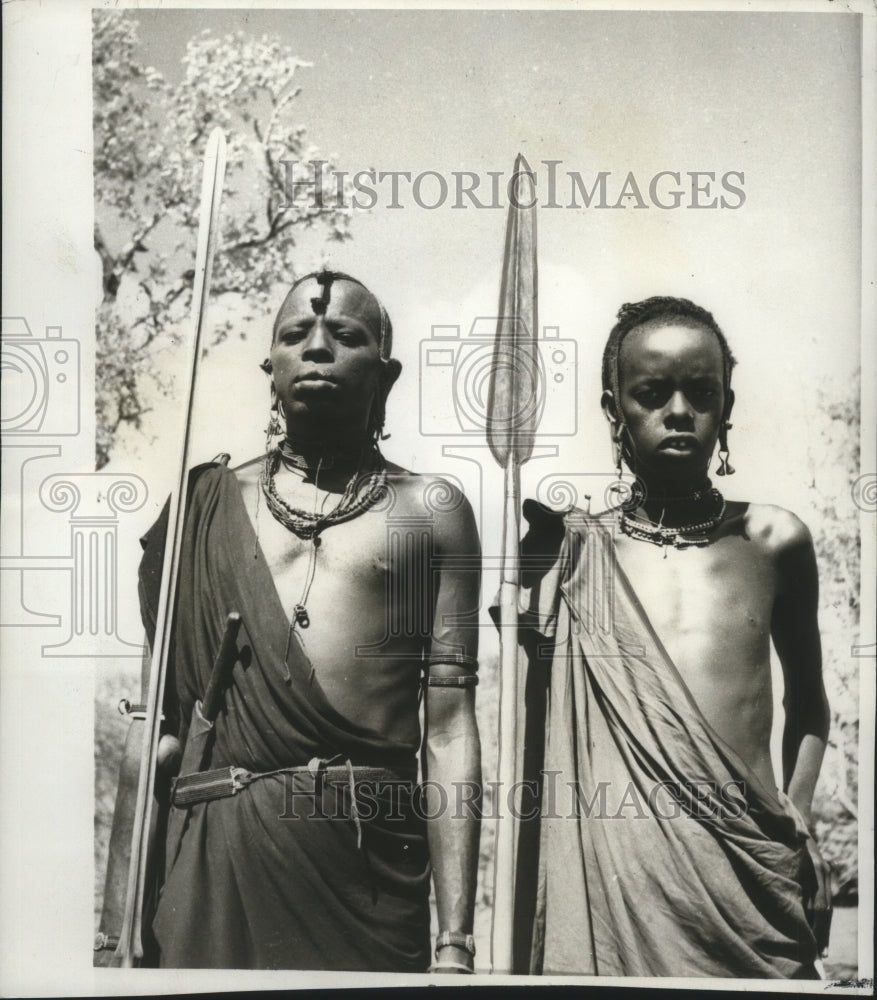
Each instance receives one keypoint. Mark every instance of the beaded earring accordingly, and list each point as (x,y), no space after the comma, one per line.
(617,451)
(276,422)
(725,468)
(630,495)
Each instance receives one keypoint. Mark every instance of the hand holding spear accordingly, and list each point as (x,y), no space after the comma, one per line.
(513,412)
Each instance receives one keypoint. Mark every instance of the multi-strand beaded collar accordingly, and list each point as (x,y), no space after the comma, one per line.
(682,536)
(360,494)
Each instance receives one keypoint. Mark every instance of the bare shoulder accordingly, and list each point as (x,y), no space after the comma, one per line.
(787,542)
(777,529)
(437,500)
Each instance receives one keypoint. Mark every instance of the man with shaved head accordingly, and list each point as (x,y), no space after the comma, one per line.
(357,583)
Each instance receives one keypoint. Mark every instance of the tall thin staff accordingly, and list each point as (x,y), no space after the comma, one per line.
(130,948)
(513,411)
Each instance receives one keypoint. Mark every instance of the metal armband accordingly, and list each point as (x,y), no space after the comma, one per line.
(468,663)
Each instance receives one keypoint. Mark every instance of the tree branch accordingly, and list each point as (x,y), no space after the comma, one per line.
(109,280)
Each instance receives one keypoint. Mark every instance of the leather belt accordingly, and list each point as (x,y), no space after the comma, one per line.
(204,786)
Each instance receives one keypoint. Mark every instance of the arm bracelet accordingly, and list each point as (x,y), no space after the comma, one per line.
(461,660)
(466,681)
(455,939)
(455,659)
(451,965)
(105,942)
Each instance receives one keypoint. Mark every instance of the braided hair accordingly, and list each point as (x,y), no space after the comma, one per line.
(659,307)
(634,314)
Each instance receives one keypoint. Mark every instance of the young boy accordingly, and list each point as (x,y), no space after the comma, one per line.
(666,846)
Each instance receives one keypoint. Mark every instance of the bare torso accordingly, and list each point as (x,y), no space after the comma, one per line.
(370,602)
(712,609)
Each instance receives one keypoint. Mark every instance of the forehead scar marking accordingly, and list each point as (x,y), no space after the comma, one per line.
(319,304)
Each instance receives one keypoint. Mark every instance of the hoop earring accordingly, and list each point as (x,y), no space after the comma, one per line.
(725,468)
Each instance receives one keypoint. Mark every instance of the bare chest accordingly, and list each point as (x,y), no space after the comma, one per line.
(368,561)
(711,607)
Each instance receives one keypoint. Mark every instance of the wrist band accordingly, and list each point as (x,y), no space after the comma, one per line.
(455,939)
(105,942)
(452,965)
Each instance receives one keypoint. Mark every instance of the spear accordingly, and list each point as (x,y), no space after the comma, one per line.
(130,948)
(513,411)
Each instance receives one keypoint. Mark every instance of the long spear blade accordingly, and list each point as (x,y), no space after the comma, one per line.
(514,399)
(130,947)
(513,417)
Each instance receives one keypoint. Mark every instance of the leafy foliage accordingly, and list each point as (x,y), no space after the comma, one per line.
(149,139)
(834,525)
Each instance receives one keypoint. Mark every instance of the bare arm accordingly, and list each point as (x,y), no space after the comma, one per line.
(452,760)
(795,633)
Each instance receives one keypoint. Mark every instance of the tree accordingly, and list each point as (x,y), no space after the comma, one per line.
(149,139)
(834,520)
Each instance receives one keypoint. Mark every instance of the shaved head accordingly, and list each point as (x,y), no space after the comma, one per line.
(330,353)
(321,292)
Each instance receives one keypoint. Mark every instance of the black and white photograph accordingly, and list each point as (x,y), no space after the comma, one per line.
(439,495)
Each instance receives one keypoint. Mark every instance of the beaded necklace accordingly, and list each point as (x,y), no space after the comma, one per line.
(685,535)
(307,525)
(302,457)
(357,497)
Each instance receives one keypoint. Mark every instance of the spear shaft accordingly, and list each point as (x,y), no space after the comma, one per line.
(502,929)
(513,410)
(130,948)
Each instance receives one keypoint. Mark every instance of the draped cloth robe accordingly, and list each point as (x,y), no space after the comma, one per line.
(658,851)
(273,877)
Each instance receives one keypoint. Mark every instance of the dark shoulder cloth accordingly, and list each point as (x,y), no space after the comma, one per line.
(276,876)
(153,543)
